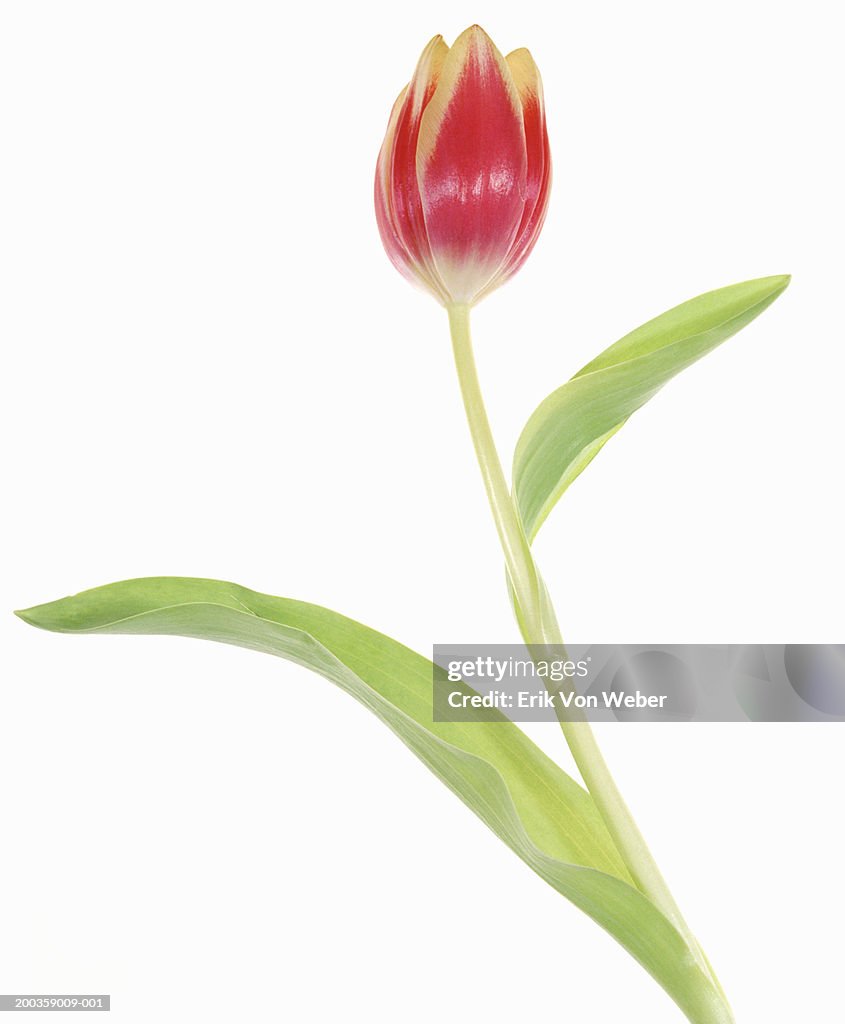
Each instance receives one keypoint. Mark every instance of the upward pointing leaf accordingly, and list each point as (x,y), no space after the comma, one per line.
(533,806)
(570,427)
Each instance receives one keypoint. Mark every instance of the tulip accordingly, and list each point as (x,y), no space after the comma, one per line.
(462,181)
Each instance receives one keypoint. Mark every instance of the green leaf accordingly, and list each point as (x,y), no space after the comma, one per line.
(533,806)
(570,427)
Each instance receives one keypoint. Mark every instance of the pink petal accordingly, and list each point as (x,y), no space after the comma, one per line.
(402,190)
(472,166)
(539,175)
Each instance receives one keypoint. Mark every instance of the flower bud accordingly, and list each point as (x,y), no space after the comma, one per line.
(462,181)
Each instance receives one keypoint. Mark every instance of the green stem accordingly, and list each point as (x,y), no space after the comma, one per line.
(539,626)
(518,559)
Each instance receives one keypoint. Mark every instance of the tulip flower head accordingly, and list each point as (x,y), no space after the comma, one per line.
(462,181)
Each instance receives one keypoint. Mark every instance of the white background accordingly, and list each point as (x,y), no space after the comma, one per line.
(211,369)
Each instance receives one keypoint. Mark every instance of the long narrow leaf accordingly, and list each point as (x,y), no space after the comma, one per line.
(570,427)
(533,806)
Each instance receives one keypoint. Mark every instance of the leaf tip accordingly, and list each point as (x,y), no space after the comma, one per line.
(51,616)
(772,286)
(29,615)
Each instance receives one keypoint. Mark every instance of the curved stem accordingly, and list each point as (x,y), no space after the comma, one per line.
(539,627)
(519,562)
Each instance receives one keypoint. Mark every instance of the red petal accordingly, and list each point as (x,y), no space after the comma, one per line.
(472,166)
(529,85)
(401,182)
(384,217)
